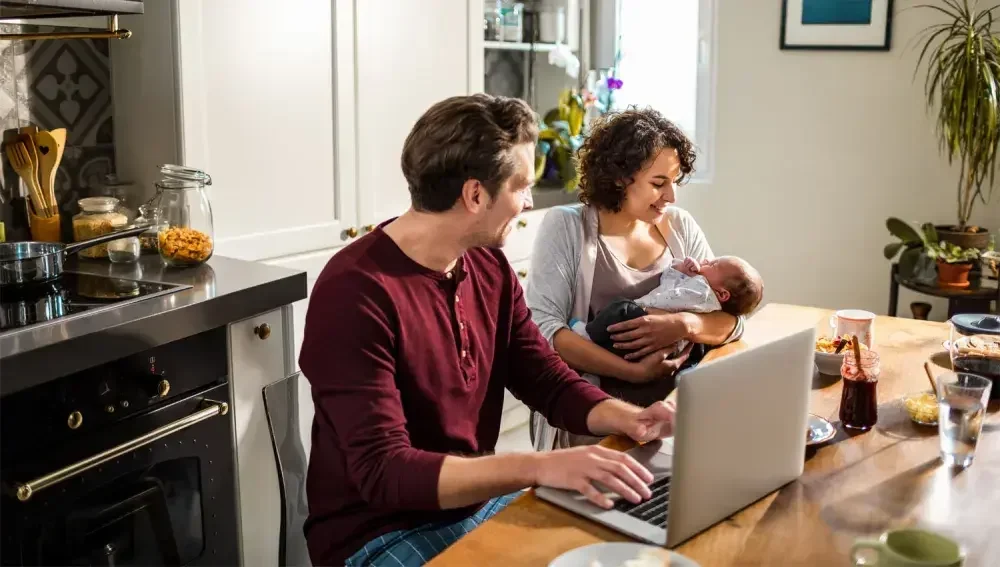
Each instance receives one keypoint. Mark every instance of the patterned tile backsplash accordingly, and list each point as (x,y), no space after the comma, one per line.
(57,84)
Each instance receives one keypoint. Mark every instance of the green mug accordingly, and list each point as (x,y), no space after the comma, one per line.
(911,548)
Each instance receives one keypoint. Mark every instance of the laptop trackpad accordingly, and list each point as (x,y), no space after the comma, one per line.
(657,456)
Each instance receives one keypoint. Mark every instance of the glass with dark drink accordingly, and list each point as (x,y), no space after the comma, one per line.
(975,347)
(859,399)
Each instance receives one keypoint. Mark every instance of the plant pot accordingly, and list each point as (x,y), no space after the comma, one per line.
(979,239)
(955,276)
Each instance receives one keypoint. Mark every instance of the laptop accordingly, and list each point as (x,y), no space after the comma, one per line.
(740,434)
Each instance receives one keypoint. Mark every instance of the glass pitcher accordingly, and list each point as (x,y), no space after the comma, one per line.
(186,236)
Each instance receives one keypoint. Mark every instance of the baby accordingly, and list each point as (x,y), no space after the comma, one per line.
(727,284)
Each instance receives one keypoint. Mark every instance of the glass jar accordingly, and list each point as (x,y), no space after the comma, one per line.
(859,398)
(152,216)
(186,236)
(124,250)
(974,347)
(97,216)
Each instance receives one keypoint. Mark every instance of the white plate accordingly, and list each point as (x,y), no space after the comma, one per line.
(615,555)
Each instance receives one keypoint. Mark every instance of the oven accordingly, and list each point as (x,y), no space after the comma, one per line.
(128,463)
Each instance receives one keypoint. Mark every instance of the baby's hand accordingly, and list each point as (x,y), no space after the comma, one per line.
(690,267)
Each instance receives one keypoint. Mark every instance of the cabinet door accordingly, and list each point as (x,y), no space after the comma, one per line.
(266,97)
(410,55)
(257,359)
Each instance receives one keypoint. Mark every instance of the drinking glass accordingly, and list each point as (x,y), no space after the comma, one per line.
(962,398)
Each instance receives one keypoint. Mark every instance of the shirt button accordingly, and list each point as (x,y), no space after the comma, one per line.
(461,325)
(464,354)
(456,299)
(448,275)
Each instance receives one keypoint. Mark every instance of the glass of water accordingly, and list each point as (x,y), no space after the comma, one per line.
(962,398)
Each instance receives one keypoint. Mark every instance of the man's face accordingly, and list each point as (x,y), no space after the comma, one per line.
(513,197)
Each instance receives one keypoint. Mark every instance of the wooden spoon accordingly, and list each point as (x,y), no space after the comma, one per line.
(20,160)
(930,377)
(50,153)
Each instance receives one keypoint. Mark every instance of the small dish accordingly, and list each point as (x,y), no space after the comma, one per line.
(819,430)
(616,554)
(829,363)
(921,407)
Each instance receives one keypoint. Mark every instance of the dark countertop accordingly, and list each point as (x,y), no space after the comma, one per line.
(221,291)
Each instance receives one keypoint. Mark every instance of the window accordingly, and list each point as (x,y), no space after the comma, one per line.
(667,62)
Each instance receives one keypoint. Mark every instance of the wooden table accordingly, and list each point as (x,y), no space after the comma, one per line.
(853,486)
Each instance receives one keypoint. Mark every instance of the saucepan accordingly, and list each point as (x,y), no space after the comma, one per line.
(23,263)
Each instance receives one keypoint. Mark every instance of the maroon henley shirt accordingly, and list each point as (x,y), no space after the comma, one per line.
(408,365)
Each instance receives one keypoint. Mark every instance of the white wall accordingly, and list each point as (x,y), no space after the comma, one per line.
(814,151)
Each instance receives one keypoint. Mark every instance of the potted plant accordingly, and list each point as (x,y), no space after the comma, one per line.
(962,89)
(560,135)
(923,251)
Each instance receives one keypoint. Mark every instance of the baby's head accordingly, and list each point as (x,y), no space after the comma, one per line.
(736,283)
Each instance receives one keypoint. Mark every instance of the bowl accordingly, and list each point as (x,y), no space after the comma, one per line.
(829,363)
(922,407)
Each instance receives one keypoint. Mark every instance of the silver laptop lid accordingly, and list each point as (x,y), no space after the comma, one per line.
(740,431)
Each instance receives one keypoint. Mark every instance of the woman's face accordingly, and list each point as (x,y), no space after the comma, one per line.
(652,191)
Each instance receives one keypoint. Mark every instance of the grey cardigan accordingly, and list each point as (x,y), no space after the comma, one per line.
(561,278)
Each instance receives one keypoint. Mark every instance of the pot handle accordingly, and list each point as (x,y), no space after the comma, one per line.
(77,246)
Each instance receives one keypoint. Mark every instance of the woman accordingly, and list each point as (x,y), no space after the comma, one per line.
(616,244)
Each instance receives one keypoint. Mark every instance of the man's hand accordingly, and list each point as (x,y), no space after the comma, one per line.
(652,332)
(659,364)
(580,467)
(654,422)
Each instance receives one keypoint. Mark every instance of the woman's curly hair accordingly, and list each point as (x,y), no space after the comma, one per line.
(619,145)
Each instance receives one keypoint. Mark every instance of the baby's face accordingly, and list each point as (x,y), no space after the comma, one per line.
(720,270)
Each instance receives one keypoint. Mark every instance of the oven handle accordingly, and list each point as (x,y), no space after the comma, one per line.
(27,489)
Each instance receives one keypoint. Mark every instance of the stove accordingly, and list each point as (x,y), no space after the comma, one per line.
(71,295)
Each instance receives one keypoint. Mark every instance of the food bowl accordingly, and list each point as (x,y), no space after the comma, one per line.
(827,360)
(922,407)
(829,363)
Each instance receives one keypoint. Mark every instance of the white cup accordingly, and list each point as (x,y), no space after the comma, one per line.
(855,322)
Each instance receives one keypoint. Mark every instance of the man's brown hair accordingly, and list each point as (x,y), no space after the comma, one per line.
(462,138)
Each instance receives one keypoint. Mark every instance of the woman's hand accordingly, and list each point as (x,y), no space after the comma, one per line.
(652,332)
(660,364)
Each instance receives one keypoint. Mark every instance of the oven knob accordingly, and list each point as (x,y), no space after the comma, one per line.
(75,420)
(162,388)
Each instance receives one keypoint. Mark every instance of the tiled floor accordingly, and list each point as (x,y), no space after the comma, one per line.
(515,441)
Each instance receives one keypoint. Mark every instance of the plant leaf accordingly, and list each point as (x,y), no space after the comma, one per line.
(902,230)
(892,249)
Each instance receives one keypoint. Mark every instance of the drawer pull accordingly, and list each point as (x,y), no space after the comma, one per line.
(262,331)
(351,232)
(27,489)
(522,223)
(522,274)
(369,228)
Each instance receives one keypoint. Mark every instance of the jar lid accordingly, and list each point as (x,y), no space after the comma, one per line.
(98,204)
(185,174)
(977,323)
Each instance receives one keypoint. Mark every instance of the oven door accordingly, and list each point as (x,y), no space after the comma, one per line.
(156,489)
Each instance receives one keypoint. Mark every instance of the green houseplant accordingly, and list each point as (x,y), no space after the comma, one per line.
(953,262)
(962,89)
(560,135)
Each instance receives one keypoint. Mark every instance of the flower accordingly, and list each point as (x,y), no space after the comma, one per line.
(614,83)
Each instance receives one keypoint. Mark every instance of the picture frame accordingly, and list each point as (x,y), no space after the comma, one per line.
(836,25)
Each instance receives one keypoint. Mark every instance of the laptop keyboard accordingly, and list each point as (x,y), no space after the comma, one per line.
(652,511)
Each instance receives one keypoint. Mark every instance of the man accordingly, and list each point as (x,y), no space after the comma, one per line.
(412,335)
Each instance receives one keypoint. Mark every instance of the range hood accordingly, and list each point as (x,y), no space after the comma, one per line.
(25,9)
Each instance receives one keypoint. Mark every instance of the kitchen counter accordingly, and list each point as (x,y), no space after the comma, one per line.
(221,291)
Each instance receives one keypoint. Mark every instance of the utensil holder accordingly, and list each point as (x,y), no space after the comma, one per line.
(44,229)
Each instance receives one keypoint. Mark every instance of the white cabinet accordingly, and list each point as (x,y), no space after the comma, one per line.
(258,92)
(409,56)
(299,113)
(259,353)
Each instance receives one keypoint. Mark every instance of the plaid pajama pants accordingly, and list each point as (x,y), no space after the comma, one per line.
(406,548)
